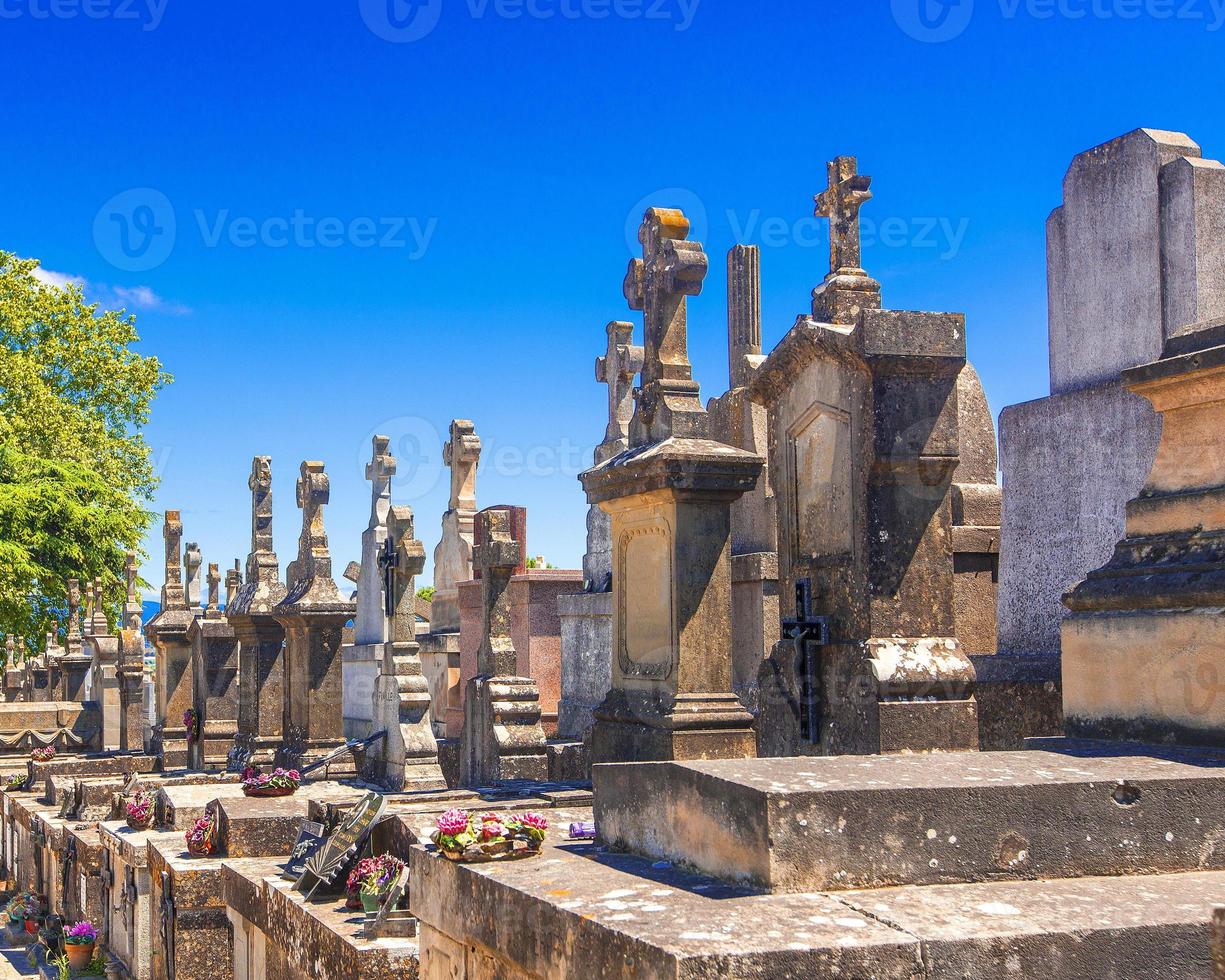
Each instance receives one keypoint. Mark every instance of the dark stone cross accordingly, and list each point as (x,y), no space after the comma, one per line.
(808,632)
(840,202)
(389,561)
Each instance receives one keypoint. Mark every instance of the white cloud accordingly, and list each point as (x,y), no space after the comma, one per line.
(144,298)
(58,280)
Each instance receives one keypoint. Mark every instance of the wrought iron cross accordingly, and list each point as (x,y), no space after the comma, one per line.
(389,562)
(840,202)
(808,633)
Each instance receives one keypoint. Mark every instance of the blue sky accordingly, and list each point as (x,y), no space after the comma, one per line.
(361,216)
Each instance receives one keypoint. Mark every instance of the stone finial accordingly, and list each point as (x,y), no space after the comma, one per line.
(10,651)
(497,557)
(87,621)
(462,453)
(133,608)
(100,624)
(408,563)
(74,610)
(617,368)
(658,284)
(314,560)
(233,582)
(192,560)
(214,586)
(263,568)
(172,590)
(743,313)
(840,203)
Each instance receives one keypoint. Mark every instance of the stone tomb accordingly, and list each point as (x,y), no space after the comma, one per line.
(214,654)
(167,631)
(864,446)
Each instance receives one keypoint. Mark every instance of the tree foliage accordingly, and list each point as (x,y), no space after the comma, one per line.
(75,472)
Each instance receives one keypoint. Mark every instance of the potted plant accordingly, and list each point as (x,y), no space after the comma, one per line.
(281,782)
(385,867)
(139,811)
(200,837)
(43,754)
(17,909)
(464,837)
(17,781)
(79,941)
(33,913)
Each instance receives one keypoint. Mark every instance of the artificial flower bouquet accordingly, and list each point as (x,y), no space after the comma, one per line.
(191,722)
(139,811)
(383,869)
(280,782)
(17,781)
(200,838)
(490,837)
(44,754)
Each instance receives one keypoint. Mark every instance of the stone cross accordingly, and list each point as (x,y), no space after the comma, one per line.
(658,284)
(617,368)
(10,649)
(214,586)
(87,620)
(192,560)
(314,490)
(370,626)
(132,607)
(100,625)
(743,313)
(262,565)
(74,626)
(233,583)
(497,557)
(840,202)
(172,589)
(407,564)
(379,471)
(462,453)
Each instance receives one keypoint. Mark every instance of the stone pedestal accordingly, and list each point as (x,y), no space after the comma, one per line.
(76,669)
(360,665)
(440,663)
(173,683)
(535,629)
(130,678)
(104,684)
(755,620)
(586,642)
(1142,642)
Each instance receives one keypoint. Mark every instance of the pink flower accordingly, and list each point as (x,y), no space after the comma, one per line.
(453,822)
(491,830)
(534,821)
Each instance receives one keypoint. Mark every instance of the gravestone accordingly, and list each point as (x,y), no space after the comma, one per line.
(739,422)
(130,671)
(261,671)
(452,565)
(101,685)
(313,615)
(167,631)
(75,664)
(407,756)
(864,446)
(1134,253)
(215,653)
(669,496)
(364,658)
(233,583)
(502,738)
(586,618)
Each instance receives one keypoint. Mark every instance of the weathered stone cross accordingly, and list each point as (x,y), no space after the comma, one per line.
(658,284)
(462,453)
(379,471)
(74,604)
(840,202)
(497,557)
(259,567)
(314,490)
(192,560)
(617,368)
(214,586)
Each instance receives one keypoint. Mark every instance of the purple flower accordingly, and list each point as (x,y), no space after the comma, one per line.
(80,934)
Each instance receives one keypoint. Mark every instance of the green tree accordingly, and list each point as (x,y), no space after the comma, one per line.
(76,475)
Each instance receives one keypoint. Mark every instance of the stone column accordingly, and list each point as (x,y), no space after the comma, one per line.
(261,686)
(363,659)
(407,757)
(167,631)
(214,655)
(313,615)
(670,501)
(502,736)
(440,657)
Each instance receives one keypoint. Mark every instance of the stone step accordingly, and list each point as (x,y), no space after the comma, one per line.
(1070,810)
(620,916)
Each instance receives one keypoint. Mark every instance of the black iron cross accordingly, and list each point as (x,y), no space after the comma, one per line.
(808,633)
(389,562)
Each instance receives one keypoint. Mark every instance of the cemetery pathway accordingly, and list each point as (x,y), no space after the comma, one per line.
(13,963)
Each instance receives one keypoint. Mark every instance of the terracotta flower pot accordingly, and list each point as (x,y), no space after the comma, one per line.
(79,954)
(270,791)
(32,926)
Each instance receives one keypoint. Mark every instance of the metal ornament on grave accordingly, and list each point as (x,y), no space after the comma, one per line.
(347,840)
(311,837)
(167,924)
(807,632)
(389,561)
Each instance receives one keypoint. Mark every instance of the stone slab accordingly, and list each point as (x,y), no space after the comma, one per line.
(845,822)
(248,828)
(178,807)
